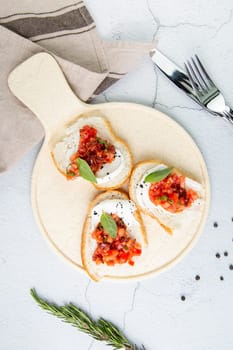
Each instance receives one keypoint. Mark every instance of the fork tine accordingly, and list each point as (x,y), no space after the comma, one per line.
(204,72)
(194,78)
(201,76)
(193,83)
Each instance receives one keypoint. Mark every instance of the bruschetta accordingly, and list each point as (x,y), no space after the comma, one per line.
(89,149)
(113,237)
(164,193)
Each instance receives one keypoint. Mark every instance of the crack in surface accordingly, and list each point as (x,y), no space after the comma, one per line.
(132,304)
(91,344)
(155,19)
(160,25)
(189,24)
(178,106)
(227,21)
(86,297)
(105,97)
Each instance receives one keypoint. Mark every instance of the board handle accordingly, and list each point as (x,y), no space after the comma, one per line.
(41,85)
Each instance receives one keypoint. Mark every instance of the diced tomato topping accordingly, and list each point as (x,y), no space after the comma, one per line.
(118,250)
(93,149)
(171,193)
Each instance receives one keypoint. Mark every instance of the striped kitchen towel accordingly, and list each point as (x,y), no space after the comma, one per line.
(91,65)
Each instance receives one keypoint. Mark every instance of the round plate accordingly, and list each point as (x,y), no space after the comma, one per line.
(60,206)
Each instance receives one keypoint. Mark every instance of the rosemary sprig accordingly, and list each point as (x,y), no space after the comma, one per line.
(101,329)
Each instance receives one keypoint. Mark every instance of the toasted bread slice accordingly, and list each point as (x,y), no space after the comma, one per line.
(112,175)
(111,202)
(139,193)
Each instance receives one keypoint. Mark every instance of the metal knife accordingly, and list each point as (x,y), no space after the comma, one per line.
(173,73)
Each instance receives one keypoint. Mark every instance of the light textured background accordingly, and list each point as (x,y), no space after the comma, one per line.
(150,311)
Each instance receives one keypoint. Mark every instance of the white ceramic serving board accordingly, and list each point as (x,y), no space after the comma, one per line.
(60,206)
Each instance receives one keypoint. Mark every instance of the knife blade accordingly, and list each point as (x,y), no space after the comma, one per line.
(173,73)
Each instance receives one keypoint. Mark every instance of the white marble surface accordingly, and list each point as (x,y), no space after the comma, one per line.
(151,311)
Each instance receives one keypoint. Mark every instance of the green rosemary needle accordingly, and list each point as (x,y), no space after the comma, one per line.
(101,329)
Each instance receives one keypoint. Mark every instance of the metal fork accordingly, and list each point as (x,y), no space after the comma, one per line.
(206,91)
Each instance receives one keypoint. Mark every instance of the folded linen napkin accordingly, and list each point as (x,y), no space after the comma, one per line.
(90,64)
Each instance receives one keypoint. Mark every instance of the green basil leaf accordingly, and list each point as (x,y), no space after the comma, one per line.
(163,198)
(158,175)
(109,224)
(85,170)
(102,142)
